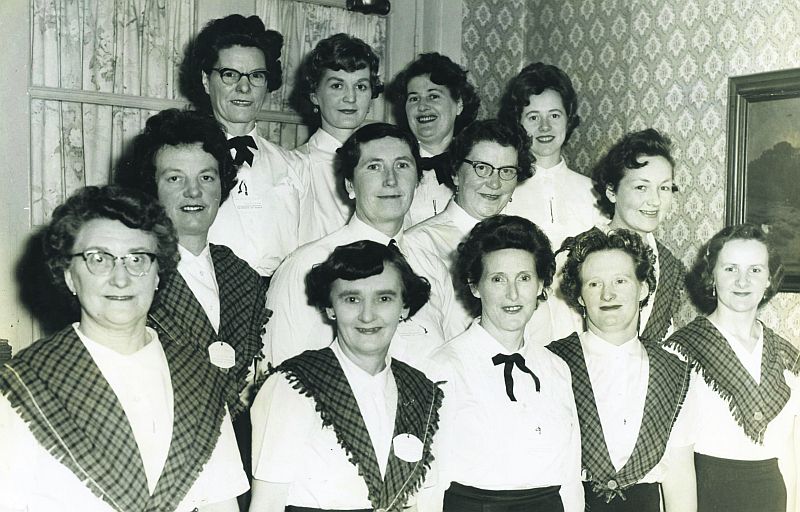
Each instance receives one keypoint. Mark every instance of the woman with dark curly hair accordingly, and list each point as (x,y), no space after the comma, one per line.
(105,414)
(541,102)
(628,391)
(348,427)
(227,71)
(433,98)
(745,378)
(337,82)
(509,438)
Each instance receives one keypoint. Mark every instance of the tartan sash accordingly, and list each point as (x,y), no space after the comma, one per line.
(74,414)
(178,316)
(668,383)
(318,375)
(667,299)
(752,405)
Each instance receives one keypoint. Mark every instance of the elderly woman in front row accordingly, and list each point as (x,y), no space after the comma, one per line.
(509,439)
(628,391)
(104,415)
(347,427)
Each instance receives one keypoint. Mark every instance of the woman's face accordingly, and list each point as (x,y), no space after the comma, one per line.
(366,312)
(644,196)
(118,301)
(485,197)
(431,112)
(508,291)
(343,99)
(611,293)
(741,275)
(545,121)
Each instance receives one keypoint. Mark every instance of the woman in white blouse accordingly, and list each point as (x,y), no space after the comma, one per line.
(509,437)
(744,382)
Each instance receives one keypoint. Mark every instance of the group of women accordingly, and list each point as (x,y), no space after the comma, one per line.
(434,344)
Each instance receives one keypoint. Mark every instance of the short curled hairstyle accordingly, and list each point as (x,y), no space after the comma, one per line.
(202,53)
(535,79)
(133,208)
(339,52)
(581,246)
(624,155)
(360,260)
(441,71)
(491,130)
(494,234)
(701,278)
(173,127)
(349,154)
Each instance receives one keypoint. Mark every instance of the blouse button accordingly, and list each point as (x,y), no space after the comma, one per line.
(758,416)
(612,484)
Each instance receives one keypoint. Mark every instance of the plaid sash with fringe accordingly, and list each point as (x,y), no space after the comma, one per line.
(752,405)
(668,296)
(317,374)
(73,413)
(667,385)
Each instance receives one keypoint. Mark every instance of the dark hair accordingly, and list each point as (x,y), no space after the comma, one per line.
(133,208)
(349,154)
(625,154)
(494,234)
(491,130)
(581,246)
(441,71)
(701,277)
(203,52)
(173,127)
(535,79)
(360,260)
(337,52)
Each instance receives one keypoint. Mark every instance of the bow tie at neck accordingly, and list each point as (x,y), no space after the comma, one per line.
(510,361)
(441,165)
(241,146)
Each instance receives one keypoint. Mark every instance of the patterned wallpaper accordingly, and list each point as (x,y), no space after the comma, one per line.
(640,63)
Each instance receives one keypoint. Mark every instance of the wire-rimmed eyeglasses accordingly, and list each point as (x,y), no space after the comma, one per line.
(102,263)
(229,76)
(484,170)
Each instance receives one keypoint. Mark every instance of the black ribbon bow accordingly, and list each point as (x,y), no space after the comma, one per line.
(441,165)
(393,245)
(509,361)
(241,147)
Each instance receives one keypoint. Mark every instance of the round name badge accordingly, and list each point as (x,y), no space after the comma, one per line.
(221,355)
(407,447)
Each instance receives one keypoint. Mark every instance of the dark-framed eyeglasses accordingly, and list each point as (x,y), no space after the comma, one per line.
(484,170)
(229,76)
(102,263)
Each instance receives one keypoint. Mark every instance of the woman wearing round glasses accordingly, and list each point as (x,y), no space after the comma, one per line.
(103,415)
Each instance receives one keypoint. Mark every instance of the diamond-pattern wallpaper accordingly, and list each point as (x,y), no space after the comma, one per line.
(641,63)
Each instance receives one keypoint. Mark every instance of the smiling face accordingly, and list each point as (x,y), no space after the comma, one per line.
(367,312)
(741,275)
(118,302)
(235,106)
(383,183)
(508,291)
(643,197)
(343,99)
(611,293)
(431,112)
(545,121)
(187,179)
(485,197)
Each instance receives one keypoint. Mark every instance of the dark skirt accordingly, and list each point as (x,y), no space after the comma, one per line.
(639,498)
(292,508)
(727,485)
(462,498)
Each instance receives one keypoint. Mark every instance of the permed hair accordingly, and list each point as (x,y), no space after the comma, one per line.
(173,127)
(133,208)
(360,260)
(535,79)
(581,246)
(441,71)
(624,155)
(348,156)
(494,234)
(701,278)
(202,53)
(491,130)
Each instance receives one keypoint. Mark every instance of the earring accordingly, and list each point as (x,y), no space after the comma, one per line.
(714,290)
(315,109)
(583,315)
(332,316)
(510,199)
(401,318)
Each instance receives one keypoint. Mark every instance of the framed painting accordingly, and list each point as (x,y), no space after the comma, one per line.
(764,161)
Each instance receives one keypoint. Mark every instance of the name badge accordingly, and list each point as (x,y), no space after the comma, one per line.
(407,447)
(221,355)
(243,202)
